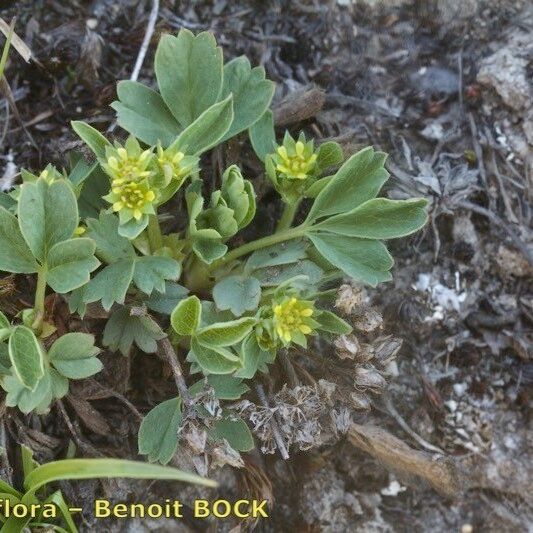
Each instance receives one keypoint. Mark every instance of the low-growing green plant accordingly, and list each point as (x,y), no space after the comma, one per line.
(236,307)
(46,510)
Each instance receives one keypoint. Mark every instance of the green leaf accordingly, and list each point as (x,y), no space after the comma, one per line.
(252,357)
(357,181)
(238,294)
(314,190)
(81,170)
(235,431)
(133,228)
(25,399)
(278,254)
(27,357)
(207,130)
(111,284)
(110,246)
(151,272)
(364,260)
(186,317)
(69,469)
(59,384)
(70,263)
(15,254)
(332,323)
(329,154)
(92,138)
(379,218)
(214,361)
(158,434)
(166,302)
(262,135)
(6,201)
(225,333)
(252,93)
(74,356)
(142,112)
(304,274)
(189,73)
(47,214)
(225,387)
(123,329)
(209,250)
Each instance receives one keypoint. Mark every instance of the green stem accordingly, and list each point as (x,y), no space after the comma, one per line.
(155,237)
(249,247)
(287,217)
(40,293)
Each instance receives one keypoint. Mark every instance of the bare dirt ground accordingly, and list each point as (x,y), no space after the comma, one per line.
(444,86)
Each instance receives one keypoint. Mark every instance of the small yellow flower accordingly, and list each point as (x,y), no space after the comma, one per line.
(292,319)
(131,200)
(79,231)
(173,164)
(129,163)
(295,161)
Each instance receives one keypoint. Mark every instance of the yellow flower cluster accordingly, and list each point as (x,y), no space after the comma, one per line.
(296,164)
(124,166)
(134,199)
(292,318)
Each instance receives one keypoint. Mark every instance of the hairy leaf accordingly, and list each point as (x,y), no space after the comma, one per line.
(358,180)
(238,294)
(189,73)
(206,130)
(27,357)
(142,112)
(15,254)
(252,93)
(70,263)
(379,218)
(225,333)
(92,138)
(186,317)
(362,259)
(110,246)
(158,434)
(262,135)
(47,214)
(235,431)
(214,361)
(123,329)
(151,272)
(74,356)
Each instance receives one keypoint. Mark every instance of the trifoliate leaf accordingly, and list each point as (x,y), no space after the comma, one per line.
(74,356)
(151,272)
(111,284)
(123,329)
(238,294)
(70,263)
(158,434)
(110,246)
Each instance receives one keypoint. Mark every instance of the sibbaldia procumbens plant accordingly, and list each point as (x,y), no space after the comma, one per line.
(158,239)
